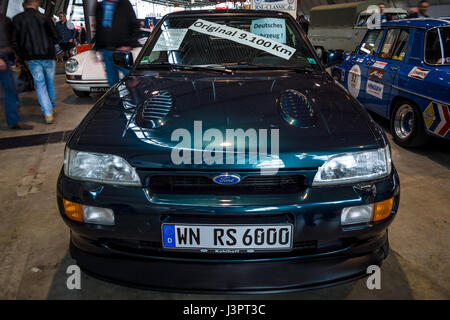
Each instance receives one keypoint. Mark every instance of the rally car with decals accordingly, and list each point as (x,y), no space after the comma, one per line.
(401,71)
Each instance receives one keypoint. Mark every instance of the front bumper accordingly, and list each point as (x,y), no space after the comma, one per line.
(86,85)
(241,277)
(131,251)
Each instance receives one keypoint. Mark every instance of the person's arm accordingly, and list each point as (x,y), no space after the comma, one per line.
(134,26)
(52,31)
(15,39)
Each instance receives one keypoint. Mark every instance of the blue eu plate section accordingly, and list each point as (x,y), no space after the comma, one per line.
(169,235)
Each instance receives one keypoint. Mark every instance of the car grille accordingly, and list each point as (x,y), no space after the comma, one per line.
(253,184)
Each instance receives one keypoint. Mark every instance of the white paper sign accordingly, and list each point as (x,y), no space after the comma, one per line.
(170,39)
(243,37)
(289,6)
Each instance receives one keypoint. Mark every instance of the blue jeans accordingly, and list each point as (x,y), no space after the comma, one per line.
(112,71)
(43,72)
(10,94)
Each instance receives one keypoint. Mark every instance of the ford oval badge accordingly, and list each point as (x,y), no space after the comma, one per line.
(227,179)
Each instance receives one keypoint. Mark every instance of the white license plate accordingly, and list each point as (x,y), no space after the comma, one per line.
(98,89)
(248,237)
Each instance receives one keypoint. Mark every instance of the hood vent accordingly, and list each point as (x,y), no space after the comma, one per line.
(296,110)
(155,109)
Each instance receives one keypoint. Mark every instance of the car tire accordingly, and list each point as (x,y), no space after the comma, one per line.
(336,75)
(407,125)
(81,93)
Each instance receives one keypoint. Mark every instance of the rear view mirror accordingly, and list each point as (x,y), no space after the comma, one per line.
(123,59)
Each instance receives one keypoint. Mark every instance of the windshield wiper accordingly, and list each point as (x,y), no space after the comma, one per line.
(269,67)
(175,66)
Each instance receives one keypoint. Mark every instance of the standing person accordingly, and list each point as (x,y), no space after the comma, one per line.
(303,23)
(117,29)
(383,17)
(39,54)
(67,33)
(420,11)
(82,34)
(11,100)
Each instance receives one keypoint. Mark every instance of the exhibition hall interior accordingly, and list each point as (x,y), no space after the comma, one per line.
(239,150)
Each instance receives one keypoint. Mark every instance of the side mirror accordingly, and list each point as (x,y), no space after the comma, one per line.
(332,58)
(123,59)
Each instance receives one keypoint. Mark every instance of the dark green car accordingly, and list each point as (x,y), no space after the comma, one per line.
(227,160)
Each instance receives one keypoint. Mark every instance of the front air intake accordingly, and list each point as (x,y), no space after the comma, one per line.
(296,109)
(155,110)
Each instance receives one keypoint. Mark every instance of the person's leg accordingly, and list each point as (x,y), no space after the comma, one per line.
(37,71)
(10,95)
(112,72)
(49,73)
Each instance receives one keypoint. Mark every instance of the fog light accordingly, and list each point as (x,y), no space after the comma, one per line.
(98,215)
(73,210)
(382,209)
(81,213)
(357,214)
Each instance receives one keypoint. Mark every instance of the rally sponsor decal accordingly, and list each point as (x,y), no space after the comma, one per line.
(418,73)
(379,64)
(375,73)
(359,60)
(374,89)
(437,118)
(354,80)
(243,37)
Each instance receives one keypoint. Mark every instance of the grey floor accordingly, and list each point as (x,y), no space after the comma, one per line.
(34,241)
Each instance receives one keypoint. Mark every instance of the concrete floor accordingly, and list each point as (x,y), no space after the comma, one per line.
(34,240)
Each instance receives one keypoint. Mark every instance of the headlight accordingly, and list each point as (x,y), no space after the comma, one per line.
(98,167)
(71,65)
(355,167)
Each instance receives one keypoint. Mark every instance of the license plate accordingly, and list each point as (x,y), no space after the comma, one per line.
(99,89)
(227,237)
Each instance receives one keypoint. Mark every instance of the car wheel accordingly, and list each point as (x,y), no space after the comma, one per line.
(407,125)
(336,75)
(81,93)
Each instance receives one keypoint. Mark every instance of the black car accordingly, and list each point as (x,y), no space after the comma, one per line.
(227,160)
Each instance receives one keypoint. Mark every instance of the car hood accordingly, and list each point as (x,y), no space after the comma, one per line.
(240,101)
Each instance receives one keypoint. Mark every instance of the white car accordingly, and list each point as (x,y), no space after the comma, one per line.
(85,73)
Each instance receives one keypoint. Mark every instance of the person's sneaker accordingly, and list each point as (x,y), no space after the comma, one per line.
(22,126)
(49,119)
(54,110)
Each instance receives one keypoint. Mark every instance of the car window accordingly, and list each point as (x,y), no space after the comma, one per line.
(437,46)
(225,41)
(371,42)
(395,44)
(388,43)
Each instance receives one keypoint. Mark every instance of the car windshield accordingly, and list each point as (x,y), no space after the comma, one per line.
(437,46)
(229,42)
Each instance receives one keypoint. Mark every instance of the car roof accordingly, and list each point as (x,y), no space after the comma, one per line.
(422,23)
(194,13)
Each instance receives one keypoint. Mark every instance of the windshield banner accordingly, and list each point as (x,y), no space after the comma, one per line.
(243,37)
(290,6)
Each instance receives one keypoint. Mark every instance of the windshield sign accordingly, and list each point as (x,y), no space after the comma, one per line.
(231,42)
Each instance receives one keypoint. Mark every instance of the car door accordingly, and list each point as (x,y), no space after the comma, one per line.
(359,72)
(383,71)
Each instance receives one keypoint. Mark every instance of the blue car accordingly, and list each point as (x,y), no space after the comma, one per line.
(401,71)
(227,160)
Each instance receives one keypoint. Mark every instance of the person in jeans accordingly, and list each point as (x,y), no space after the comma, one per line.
(67,33)
(117,29)
(11,100)
(39,54)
